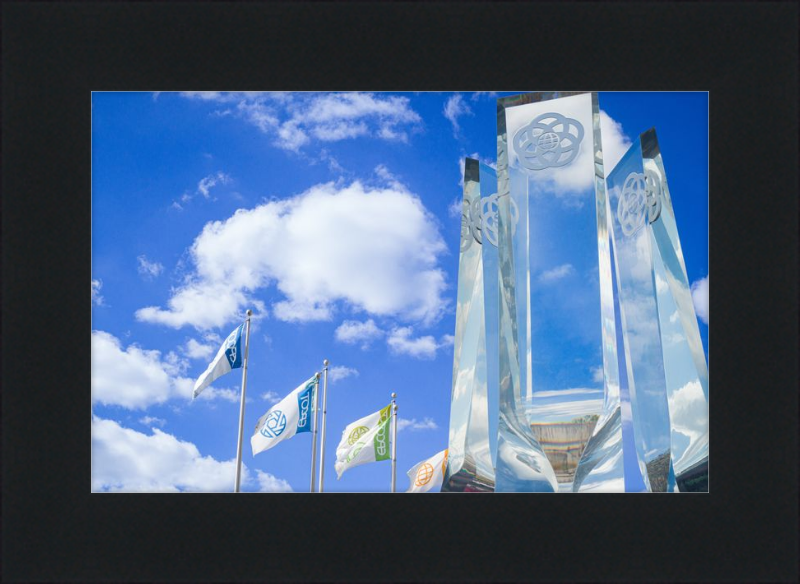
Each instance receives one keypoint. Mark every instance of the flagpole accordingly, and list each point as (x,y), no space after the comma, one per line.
(241,405)
(394,443)
(314,433)
(324,412)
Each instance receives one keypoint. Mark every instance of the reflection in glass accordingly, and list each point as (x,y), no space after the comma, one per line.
(469,463)
(667,371)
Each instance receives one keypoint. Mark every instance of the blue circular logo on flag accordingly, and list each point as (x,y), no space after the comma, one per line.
(274,425)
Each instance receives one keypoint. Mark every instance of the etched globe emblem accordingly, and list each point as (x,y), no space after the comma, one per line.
(489,217)
(632,207)
(548,141)
(424,475)
(357,433)
(274,425)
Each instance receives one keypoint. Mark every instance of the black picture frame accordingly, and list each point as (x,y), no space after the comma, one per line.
(55,54)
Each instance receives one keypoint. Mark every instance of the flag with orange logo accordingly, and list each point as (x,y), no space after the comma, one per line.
(428,475)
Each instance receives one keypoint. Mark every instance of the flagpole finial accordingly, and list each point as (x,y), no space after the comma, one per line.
(325,362)
(249,312)
(394,395)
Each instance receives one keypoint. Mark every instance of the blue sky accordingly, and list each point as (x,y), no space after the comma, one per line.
(336,218)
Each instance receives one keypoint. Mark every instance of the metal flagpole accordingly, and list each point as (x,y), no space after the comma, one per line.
(314,434)
(324,411)
(394,443)
(241,405)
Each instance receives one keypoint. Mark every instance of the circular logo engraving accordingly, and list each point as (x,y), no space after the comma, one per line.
(550,140)
(653,193)
(424,475)
(356,433)
(274,425)
(641,196)
(632,204)
(489,214)
(466,225)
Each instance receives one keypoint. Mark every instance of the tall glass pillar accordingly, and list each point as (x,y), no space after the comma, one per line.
(469,463)
(557,332)
(667,370)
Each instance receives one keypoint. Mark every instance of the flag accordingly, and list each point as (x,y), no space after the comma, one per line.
(358,428)
(229,357)
(288,417)
(428,475)
(370,447)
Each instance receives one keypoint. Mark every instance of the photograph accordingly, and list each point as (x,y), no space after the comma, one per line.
(491,291)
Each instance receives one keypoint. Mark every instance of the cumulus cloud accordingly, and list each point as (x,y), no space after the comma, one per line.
(556,273)
(700,298)
(413,424)
(124,460)
(97,298)
(268,483)
(454,108)
(294,120)
(372,249)
(147,269)
(354,331)
(135,378)
(401,342)
(615,141)
(197,350)
(340,372)
(149,421)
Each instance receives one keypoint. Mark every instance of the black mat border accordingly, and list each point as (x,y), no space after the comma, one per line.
(54,54)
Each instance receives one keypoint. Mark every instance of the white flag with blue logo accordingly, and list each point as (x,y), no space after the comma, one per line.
(288,417)
(229,357)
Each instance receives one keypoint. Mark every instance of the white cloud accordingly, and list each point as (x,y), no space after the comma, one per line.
(207,183)
(401,342)
(556,273)
(700,298)
(295,119)
(341,372)
(454,108)
(197,350)
(353,331)
(147,269)
(135,378)
(268,483)
(456,207)
(126,460)
(97,298)
(372,249)
(149,421)
(271,397)
(615,142)
(413,424)
(213,393)
(597,374)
